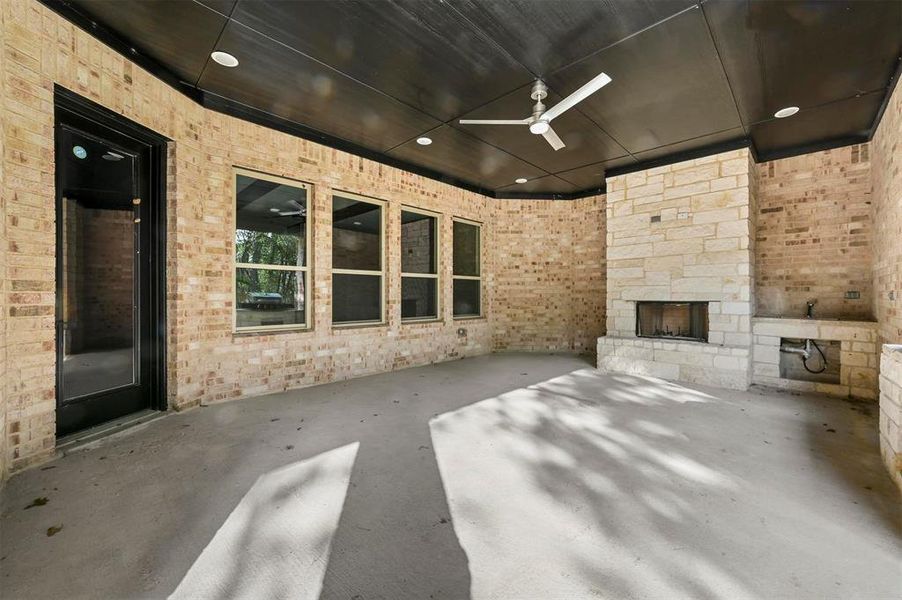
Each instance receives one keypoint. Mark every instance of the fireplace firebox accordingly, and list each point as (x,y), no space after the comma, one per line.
(672,320)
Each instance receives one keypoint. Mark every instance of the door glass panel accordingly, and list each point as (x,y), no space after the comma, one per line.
(99,236)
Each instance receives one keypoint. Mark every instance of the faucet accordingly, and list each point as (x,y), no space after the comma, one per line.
(810,313)
(806,351)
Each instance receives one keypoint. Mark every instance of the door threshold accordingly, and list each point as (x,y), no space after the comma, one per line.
(93,436)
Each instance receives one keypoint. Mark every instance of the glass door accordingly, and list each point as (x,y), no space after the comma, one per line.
(101,277)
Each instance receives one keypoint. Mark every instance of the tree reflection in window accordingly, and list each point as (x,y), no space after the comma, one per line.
(270,252)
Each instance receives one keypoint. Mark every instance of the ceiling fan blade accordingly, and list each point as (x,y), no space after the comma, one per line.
(595,84)
(493,121)
(556,142)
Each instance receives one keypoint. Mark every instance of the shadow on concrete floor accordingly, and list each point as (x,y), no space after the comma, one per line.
(505,476)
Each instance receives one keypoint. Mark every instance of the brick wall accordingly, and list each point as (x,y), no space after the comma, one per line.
(886,179)
(100,266)
(549,274)
(886,158)
(814,234)
(3,245)
(207,361)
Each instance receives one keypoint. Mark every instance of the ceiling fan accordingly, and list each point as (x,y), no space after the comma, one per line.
(540,121)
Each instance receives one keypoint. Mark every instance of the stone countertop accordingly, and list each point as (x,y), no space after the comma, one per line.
(801,321)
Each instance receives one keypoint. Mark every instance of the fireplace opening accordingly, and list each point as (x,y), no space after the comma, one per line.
(673,320)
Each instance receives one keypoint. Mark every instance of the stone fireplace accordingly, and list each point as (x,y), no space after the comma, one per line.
(679,271)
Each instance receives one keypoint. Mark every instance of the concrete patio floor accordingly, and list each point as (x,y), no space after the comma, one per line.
(501,477)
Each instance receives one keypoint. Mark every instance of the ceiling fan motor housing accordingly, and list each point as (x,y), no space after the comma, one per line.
(539,90)
(539,93)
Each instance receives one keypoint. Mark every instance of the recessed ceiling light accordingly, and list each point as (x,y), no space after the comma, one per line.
(520,180)
(224,58)
(273,210)
(358,223)
(424,141)
(786,112)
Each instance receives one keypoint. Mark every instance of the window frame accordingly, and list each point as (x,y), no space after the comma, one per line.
(438,264)
(478,277)
(383,249)
(306,269)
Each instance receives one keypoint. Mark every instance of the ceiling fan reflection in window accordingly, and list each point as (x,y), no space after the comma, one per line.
(540,121)
(300,212)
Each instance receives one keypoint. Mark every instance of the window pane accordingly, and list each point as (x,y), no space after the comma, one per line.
(418,297)
(356,298)
(271,224)
(269,297)
(356,235)
(418,234)
(466,249)
(466,297)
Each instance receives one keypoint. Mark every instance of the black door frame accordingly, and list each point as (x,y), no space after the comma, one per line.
(72,109)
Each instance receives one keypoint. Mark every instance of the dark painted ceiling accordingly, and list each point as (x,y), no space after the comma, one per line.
(372,76)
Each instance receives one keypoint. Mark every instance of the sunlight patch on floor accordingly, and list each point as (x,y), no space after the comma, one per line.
(275,544)
(564,477)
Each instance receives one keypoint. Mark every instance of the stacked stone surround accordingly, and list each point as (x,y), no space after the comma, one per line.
(858,354)
(208,362)
(699,247)
(814,234)
(891,410)
(549,274)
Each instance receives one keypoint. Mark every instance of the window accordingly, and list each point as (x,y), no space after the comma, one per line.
(467,279)
(419,265)
(272,237)
(357,260)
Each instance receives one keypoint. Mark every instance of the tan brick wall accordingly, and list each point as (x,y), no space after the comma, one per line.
(814,234)
(207,361)
(100,268)
(3,275)
(549,274)
(886,195)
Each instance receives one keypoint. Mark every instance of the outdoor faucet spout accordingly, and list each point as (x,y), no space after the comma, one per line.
(810,313)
